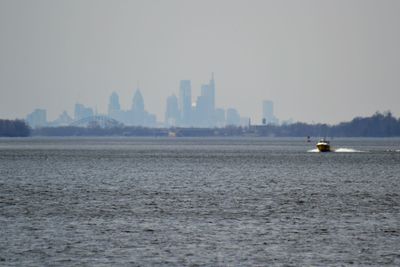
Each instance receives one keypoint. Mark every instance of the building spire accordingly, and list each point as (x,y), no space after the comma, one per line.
(212,82)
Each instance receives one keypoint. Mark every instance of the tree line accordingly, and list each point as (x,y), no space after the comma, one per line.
(377,125)
(14,128)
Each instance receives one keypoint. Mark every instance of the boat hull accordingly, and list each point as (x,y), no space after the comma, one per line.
(324,147)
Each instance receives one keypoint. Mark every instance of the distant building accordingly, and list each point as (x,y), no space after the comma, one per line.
(200,112)
(82,112)
(138,113)
(232,117)
(211,92)
(219,117)
(185,102)
(204,108)
(208,96)
(138,102)
(37,119)
(172,111)
(113,105)
(268,113)
(114,108)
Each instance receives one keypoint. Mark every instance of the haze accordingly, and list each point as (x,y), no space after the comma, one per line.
(321,61)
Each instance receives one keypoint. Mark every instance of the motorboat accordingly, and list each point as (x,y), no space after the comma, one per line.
(323,145)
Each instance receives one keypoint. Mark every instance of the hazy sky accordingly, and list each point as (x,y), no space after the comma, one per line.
(322,61)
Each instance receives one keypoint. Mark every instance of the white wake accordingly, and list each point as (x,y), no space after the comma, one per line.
(347,150)
(338,150)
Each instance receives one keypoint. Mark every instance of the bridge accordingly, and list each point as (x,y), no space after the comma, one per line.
(97,121)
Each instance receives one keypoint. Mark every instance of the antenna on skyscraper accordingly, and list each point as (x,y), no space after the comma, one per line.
(138,85)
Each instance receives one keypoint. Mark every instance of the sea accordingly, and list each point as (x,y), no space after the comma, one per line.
(199,202)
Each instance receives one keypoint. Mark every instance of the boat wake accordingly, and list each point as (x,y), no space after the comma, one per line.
(347,150)
(338,150)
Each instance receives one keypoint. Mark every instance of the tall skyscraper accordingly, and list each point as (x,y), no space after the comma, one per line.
(211,91)
(200,114)
(138,113)
(113,105)
(138,102)
(204,112)
(185,102)
(268,112)
(172,111)
(208,92)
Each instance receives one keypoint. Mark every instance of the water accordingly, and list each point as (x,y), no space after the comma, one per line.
(198,202)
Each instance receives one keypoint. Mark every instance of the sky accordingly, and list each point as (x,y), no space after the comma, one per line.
(317,60)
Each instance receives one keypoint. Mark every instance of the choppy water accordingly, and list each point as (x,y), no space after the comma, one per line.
(198,202)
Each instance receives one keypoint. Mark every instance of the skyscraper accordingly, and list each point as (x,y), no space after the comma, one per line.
(138,102)
(138,113)
(211,91)
(185,102)
(172,111)
(113,105)
(200,114)
(268,112)
(204,112)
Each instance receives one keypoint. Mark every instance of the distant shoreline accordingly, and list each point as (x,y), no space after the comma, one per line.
(377,125)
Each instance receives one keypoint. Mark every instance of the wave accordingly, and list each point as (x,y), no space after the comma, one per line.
(338,150)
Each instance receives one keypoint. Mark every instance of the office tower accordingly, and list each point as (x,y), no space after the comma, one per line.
(185,102)
(138,102)
(172,111)
(82,112)
(38,118)
(268,113)
(232,117)
(113,105)
(205,105)
(200,114)
(138,113)
(208,108)
(211,92)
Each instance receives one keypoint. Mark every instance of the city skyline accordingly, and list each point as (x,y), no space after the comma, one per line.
(55,54)
(186,110)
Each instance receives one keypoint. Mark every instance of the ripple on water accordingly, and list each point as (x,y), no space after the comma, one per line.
(164,202)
